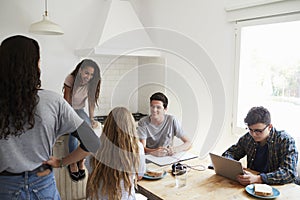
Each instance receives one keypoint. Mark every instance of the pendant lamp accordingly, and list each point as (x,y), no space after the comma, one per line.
(46,27)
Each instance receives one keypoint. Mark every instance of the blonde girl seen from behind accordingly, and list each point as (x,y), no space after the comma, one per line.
(119,162)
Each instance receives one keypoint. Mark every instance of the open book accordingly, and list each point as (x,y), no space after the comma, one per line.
(167,160)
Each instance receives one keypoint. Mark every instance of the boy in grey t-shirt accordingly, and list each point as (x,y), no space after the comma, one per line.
(157,131)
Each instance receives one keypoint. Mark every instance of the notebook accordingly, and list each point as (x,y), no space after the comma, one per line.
(226,167)
(167,160)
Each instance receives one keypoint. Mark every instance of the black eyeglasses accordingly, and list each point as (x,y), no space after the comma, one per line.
(257,130)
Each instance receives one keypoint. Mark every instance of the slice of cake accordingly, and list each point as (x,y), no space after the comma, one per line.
(263,190)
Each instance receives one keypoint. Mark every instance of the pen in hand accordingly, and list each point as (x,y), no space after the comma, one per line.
(170,150)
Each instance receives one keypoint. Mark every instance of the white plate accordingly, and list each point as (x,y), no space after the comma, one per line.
(250,190)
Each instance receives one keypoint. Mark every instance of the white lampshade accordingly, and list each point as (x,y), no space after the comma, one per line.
(46,27)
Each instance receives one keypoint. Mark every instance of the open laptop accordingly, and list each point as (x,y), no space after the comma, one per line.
(226,167)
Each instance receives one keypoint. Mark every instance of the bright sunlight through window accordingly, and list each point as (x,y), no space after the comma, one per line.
(269,73)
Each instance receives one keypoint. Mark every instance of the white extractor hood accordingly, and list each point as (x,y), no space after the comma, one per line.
(122,34)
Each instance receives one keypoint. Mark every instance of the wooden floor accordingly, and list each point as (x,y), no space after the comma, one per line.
(68,189)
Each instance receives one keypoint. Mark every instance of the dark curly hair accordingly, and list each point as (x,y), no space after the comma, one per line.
(20,81)
(94,83)
(258,115)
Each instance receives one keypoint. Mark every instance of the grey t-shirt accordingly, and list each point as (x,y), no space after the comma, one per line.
(54,117)
(162,135)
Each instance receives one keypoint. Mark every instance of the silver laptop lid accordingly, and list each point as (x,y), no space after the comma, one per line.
(226,167)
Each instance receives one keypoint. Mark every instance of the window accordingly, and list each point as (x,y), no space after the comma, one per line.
(269,72)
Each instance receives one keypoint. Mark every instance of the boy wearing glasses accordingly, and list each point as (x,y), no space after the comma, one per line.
(270,152)
(157,131)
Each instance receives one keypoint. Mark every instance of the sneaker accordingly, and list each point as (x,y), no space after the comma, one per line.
(81,173)
(73,175)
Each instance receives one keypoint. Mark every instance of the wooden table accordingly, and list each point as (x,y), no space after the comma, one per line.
(204,185)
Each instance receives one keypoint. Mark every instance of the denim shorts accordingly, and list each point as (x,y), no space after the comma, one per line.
(29,187)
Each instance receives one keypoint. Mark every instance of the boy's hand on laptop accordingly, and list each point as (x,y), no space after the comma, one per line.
(248,178)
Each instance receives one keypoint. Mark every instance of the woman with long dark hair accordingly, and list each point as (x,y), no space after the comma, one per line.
(31,119)
(81,85)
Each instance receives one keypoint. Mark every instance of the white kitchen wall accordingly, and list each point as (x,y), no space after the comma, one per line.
(77,18)
(125,82)
(204,22)
(211,26)
(113,83)
(82,23)
(151,79)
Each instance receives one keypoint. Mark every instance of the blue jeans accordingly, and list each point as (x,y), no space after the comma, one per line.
(28,187)
(73,142)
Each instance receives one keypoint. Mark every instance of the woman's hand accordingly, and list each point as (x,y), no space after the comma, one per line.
(53,161)
(94,123)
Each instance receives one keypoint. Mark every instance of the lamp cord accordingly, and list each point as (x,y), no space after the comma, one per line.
(46,8)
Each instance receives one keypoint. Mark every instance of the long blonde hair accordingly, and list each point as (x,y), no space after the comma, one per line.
(117,158)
